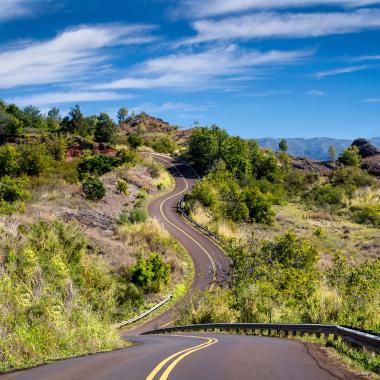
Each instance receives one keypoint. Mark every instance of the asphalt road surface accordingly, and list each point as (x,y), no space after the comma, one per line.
(189,357)
(193,356)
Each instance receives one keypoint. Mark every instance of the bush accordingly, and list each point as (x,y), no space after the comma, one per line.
(105,129)
(369,214)
(35,159)
(93,188)
(13,193)
(10,159)
(326,195)
(151,274)
(56,146)
(122,186)
(164,144)
(96,166)
(135,140)
(350,157)
(259,206)
(137,215)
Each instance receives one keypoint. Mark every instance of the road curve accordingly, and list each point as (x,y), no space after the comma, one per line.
(195,356)
(201,357)
(210,263)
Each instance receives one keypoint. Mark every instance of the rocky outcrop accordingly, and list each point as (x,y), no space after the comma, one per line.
(366,149)
(79,145)
(150,123)
(324,168)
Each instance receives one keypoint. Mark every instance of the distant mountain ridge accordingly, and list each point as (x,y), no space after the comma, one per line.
(316,148)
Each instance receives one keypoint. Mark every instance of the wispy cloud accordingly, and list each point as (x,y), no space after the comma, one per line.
(204,69)
(315,93)
(55,98)
(74,54)
(339,71)
(206,8)
(372,100)
(268,93)
(364,58)
(11,9)
(284,25)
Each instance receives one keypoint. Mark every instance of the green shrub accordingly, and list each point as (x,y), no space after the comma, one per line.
(35,159)
(96,165)
(105,128)
(13,194)
(259,206)
(10,160)
(350,157)
(325,196)
(164,144)
(93,188)
(135,140)
(56,146)
(151,274)
(369,214)
(122,186)
(137,215)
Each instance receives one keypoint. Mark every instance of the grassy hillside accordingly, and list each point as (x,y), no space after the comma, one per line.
(94,257)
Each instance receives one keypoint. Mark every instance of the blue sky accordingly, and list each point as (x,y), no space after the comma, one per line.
(281,68)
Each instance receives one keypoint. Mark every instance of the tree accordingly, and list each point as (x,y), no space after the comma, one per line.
(283,146)
(53,119)
(105,128)
(332,152)
(350,157)
(75,122)
(122,115)
(135,140)
(93,188)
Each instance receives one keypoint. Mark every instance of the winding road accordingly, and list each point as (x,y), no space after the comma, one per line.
(196,356)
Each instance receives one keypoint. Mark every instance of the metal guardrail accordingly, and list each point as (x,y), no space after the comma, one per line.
(350,336)
(141,316)
(202,228)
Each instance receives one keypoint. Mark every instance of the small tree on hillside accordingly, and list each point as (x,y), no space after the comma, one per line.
(350,157)
(332,152)
(105,128)
(122,115)
(283,146)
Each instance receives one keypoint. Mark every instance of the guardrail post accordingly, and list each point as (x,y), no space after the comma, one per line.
(286,333)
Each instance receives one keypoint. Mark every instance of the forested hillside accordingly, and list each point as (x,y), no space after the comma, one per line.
(305,247)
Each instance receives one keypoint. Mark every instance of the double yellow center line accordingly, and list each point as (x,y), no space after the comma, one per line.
(177,357)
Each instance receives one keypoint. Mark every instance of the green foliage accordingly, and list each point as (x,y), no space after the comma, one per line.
(351,178)
(13,194)
(136,215)
(122,186)
(211,306)
(325,196)
(366,214)
(350,157)
(151,274)
(56,146)
(102,164)
(105,128)
(135,140)
(283,146)
(35,158)
(56,300)
(93,188)
(10,160)
(122,115)
(164,144)
(259,206)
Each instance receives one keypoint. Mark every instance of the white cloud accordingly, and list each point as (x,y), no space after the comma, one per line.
(10,9)
(203,69)
(372,100)
(206,8)
(343,70)
(285,25)
(315,93)
(68,57)
(363,58)
(67,97)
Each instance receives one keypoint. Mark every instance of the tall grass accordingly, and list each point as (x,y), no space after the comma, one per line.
(56,300)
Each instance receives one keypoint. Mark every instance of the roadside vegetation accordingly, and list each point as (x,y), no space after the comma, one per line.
(288,231)
(78,251)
